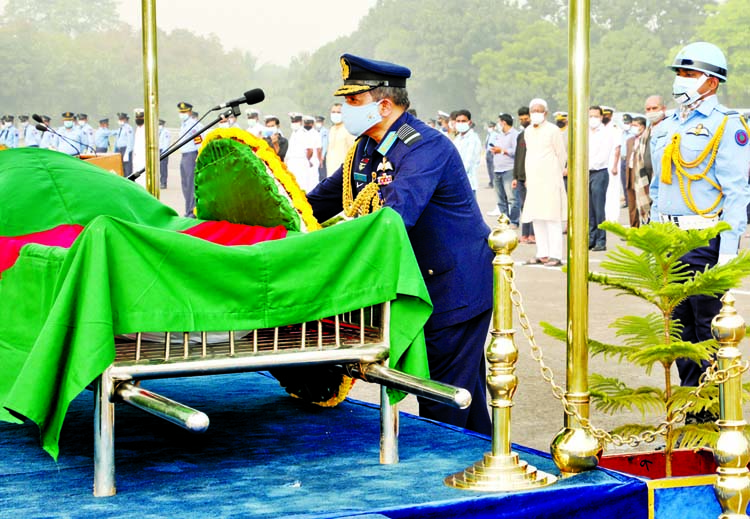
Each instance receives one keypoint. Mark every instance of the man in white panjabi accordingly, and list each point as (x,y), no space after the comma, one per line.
(546,201)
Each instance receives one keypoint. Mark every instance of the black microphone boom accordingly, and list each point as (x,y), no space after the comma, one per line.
(37,118)
(251,97)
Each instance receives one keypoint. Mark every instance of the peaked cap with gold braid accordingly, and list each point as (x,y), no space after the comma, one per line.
(363,74)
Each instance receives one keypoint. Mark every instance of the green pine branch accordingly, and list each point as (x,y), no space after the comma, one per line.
(611,396)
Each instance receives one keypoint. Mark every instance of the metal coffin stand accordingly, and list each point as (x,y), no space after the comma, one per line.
(356,341)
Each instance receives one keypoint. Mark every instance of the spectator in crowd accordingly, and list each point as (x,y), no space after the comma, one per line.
(519,174)
(102,135)
(273,136)
(546,200)
(601,147)
(340,141)
(323,132)
(469,146)
(503,147)
(636,182)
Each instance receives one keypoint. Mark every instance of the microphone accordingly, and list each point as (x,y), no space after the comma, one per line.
(44,128)
(251,97)
(37,118)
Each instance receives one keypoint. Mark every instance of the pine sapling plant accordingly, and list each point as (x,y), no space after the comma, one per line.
(650,269)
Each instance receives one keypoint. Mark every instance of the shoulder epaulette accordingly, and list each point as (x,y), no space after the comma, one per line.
(726,111)
(408,135)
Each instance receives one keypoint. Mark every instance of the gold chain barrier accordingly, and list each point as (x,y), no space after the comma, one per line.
(732,449)
(713,375)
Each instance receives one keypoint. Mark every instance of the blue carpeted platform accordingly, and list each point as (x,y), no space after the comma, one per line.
(268,455)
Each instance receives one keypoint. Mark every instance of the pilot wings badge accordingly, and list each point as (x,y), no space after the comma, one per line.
(385,165)
(698,130)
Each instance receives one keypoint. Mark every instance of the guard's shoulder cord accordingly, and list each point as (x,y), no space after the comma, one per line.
(672,156)
(367,199)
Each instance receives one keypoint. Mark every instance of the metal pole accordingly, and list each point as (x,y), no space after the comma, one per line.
(574,449)
(732,451)
(150,94)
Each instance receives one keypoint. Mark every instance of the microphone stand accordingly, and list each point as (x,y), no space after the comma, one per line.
(235,110)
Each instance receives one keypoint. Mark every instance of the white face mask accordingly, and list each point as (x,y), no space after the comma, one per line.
(595,122)
(537,118)
(318,126)
(653,117)
(462,127)
(67,124)
(184,116)
(625,127)
(81,123)
(295,126)
(336,117)
(685,89)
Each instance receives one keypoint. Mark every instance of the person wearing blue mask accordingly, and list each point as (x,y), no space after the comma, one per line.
(273,136)
(701,157)
(70,140)
(400,162)
(31,136)
(9,133)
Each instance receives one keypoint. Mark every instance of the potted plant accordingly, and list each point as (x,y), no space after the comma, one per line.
(650,269)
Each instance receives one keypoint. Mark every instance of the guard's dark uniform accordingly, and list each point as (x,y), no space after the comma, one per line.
(421,177)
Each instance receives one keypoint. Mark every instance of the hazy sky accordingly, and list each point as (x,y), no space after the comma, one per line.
(273,31)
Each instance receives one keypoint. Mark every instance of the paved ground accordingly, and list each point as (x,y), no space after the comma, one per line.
(537,416)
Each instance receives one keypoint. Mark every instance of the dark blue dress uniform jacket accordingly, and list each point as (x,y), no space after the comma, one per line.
(431,192)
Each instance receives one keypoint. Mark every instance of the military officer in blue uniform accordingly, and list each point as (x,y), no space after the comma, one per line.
(87,131)
(31,136)
(416,170)
(165,140)
(189,155)
(102,135)
(701,124)
(124,143)
(48,138)
(9,132)
(69,139)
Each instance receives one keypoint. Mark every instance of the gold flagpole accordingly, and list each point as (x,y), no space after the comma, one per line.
(151,94)
(575,449)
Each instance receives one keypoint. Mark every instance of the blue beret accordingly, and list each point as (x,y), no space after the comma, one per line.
(363,74)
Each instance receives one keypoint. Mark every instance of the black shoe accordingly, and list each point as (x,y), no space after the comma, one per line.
(598,248)
(704,416)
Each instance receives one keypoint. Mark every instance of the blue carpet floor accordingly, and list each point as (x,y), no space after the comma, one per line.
(268,455)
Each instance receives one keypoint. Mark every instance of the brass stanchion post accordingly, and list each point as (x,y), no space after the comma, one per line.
(732,451)
(150,94)
(501,469)
(574,449)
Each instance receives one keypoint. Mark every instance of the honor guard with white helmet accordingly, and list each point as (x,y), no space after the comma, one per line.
(400,162)
(701,159)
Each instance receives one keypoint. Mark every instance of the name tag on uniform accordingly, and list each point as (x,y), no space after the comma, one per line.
(360,177)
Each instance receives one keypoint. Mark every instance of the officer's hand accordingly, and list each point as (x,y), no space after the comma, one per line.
(514,183)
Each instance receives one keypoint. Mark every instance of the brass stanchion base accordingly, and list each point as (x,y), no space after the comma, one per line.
(498,473)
